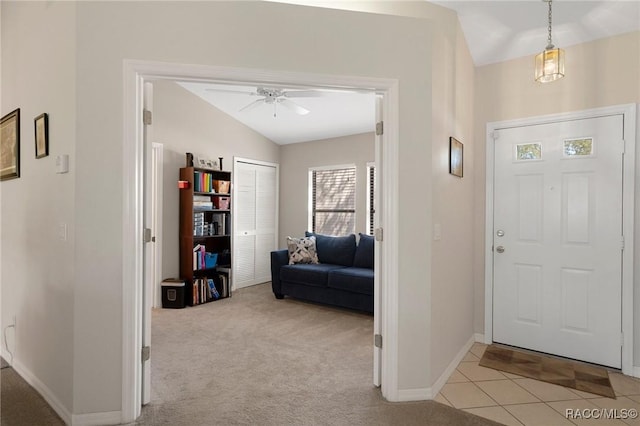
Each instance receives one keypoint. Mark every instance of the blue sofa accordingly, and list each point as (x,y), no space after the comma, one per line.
(344,276)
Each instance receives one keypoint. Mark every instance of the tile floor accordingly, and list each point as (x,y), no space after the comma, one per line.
(514,400)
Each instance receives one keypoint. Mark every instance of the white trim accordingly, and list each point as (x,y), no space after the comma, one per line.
(479,337)
(636,372)
(132,243)
(43,390)
(134,73)
(158,154)
(97,419)
(333,167)
(408,395)
(389,168)
(442,380)
(628,202)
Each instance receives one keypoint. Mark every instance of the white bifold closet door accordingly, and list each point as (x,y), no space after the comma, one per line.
(255,212)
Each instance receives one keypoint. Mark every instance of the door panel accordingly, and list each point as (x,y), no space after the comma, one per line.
(557,266)
(256,223)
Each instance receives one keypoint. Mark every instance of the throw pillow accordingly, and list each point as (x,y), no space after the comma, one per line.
(335,250)
(364,252)
(302,250)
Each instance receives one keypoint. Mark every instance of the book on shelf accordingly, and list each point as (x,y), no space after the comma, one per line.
(213,290)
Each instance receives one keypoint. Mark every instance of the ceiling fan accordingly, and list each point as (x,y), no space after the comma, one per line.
(276,97)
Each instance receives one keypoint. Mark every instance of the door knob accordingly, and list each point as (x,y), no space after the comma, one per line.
(500,249)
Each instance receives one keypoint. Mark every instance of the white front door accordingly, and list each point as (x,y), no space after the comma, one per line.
(558,238)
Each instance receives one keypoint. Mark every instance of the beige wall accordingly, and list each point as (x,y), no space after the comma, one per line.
(231,33)
(183,122)
(600,73)
(453,198)
(37,268)
(296,159)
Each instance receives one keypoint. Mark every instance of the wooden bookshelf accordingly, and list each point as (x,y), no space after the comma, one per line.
(205,223)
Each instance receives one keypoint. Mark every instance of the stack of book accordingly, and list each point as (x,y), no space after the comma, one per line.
(202,202)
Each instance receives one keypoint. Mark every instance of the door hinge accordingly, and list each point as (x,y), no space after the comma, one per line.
(146,353)
(377,341)
(147,117)
(379,234)
(379,128)
(147,237)
(624,146)
(622,243)
(621,339)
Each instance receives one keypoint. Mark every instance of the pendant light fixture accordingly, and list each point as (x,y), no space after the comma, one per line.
(550,63)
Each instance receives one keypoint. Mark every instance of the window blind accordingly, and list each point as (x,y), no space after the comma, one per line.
(333,201)
(371,191)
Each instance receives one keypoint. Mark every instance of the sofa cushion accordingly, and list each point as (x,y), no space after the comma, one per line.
(364,252)
(315,275)
(302,250)
(335,250)
(355,280)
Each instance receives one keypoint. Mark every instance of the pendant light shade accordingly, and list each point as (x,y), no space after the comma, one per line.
(550,63)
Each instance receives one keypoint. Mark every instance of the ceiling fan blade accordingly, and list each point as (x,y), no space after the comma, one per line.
(236,92)
(304,94)
(252,105)
(294,107)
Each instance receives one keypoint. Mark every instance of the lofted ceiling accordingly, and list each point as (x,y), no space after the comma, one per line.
(495,31)
(333,114)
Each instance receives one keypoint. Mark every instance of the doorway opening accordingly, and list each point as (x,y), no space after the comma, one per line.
(385,316)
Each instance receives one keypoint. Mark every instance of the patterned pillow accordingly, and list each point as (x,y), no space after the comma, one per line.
(302,250)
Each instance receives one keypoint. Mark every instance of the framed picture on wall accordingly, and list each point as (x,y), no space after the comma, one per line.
(10,145)
(455,157)
(41,124)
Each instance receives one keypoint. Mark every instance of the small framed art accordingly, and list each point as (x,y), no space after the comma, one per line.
(41,124)
(10,145)
(455,157)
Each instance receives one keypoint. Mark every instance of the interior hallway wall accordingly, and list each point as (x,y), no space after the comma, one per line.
(37,213)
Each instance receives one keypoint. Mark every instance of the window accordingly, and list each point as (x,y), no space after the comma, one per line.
(371,193)
(333,200)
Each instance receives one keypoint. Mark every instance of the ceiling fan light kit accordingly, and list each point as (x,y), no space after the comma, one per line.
(550,63)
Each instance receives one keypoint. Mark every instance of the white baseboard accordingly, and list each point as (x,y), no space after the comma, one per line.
(479,337)
(422,394)
(405,395)
(96,419)
(42,389)
(442,380)
(636,371)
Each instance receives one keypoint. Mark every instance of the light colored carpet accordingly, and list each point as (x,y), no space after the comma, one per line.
(255,360)
(252,359)
(21,405)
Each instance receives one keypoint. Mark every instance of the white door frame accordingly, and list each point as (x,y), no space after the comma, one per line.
(628,204)
(157,197)
(135,73)
(237,160)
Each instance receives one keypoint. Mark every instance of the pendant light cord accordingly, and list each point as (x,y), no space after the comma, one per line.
(550,45)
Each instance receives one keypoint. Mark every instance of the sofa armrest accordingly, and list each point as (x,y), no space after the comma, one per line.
(279,258)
